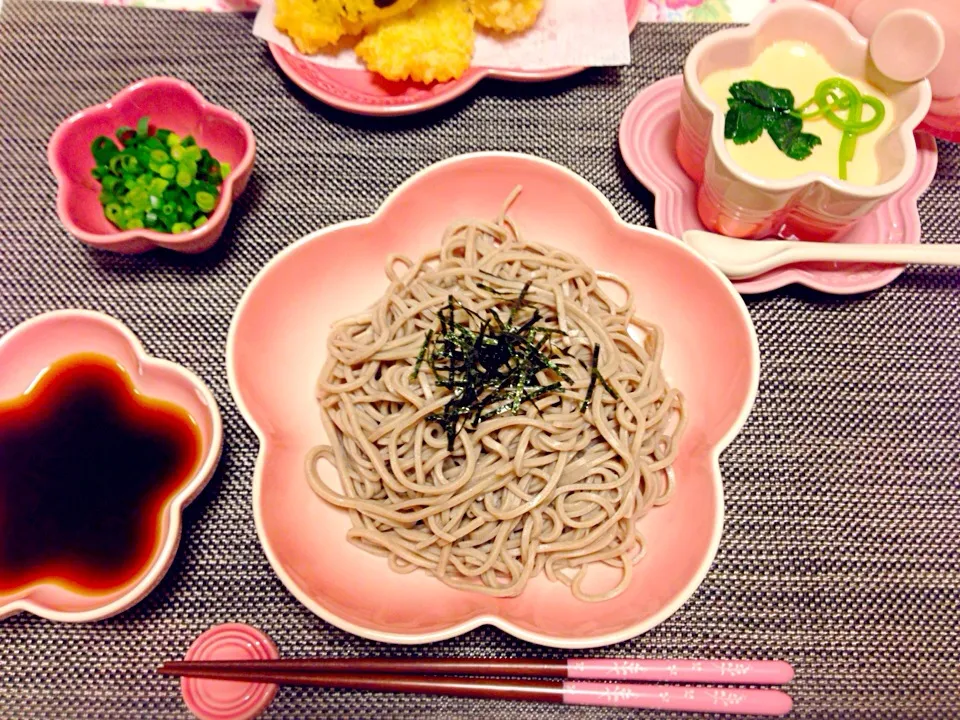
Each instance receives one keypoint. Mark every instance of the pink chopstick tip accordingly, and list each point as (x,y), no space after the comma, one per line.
(743,672)
(680,698)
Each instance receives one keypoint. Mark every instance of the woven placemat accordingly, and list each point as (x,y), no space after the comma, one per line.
(841,549)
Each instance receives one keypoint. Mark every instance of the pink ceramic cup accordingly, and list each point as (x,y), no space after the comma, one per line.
(814,206)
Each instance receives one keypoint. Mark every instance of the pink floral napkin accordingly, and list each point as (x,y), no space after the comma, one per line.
(702,10)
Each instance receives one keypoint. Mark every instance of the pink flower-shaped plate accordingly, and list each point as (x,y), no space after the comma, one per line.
(366,93)
(648,133)
(276,347)
(33,346)
(170,104)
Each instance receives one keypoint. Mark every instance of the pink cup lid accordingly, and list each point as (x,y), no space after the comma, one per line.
(229,699)
(869,16)
(907,45)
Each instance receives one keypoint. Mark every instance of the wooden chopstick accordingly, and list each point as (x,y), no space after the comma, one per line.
(571,692)
(746,672)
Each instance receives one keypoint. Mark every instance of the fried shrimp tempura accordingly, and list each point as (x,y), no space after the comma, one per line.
(316,24)
(506,16)
(431,42)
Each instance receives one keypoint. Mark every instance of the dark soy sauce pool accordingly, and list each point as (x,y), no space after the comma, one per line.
(86,466)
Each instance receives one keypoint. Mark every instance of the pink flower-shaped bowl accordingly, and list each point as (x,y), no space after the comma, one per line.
(33,346)
(813,206)
(170,104)
(277,345)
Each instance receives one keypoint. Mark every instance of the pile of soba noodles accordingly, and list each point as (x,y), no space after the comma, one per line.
(551,475)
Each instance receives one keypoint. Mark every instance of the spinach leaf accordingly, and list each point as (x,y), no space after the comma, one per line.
(787,133)
(744,123)
(762,95)
(755,106)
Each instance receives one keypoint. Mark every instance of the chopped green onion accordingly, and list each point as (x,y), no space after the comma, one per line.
(191,152)
(205,201)
(154,178)
(158,185)
(114,212)
(103,149)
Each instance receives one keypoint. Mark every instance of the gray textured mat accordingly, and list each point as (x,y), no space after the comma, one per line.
(841,550)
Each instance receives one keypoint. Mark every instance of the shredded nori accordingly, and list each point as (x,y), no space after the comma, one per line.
(492,370)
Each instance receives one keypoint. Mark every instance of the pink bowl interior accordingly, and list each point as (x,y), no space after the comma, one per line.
(278,345)
(24,354)
(169,104)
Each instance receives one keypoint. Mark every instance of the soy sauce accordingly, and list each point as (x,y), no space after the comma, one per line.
(87,465)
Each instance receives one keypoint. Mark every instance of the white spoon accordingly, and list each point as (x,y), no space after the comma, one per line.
(737,258)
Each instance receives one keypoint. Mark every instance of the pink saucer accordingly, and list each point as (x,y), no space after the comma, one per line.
(366,93)
(229,699)
(648,134)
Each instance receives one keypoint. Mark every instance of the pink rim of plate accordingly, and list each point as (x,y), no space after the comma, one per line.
(648,133)
(32,346)
(285,313)
(229,699)
(362,92)
(172,100)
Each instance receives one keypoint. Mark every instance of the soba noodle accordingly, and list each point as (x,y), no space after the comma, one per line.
(552,489)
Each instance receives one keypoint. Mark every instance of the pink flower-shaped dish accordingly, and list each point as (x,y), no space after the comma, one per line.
(277,345)
(366,93)
(170,104)
(30,348)
(648,134)
(813,206)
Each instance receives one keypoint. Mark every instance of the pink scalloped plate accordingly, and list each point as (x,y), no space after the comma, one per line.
(33,346)
(648,134)
(277,344)
(366,93)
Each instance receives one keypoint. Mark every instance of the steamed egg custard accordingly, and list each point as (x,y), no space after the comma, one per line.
(791,113)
